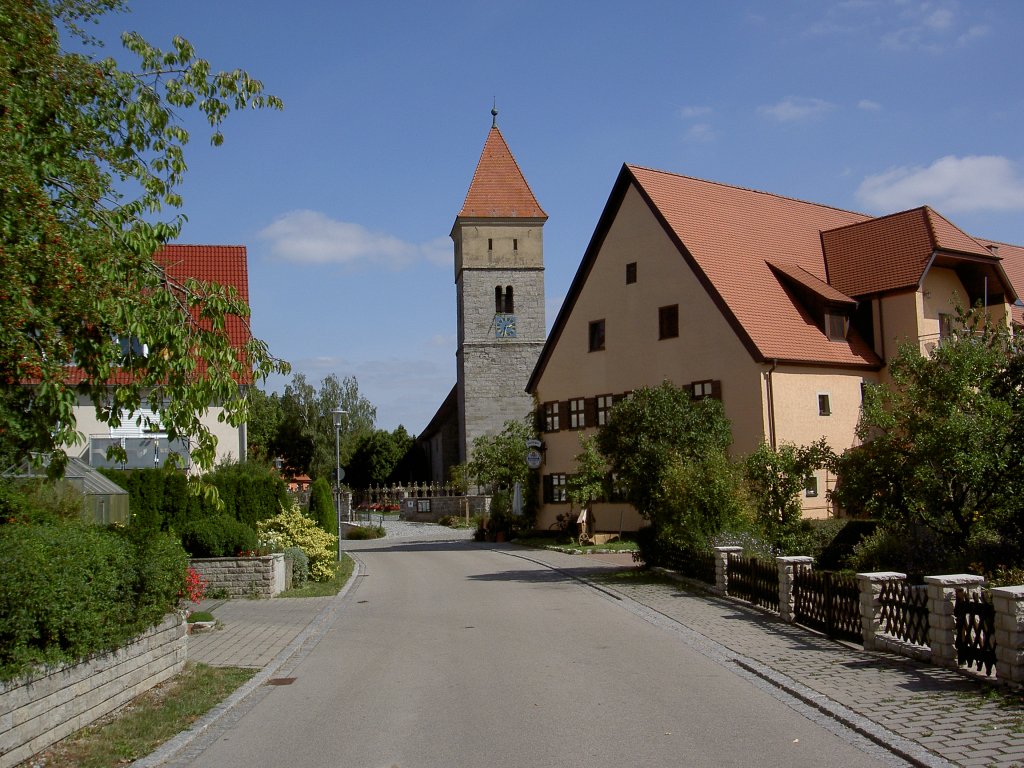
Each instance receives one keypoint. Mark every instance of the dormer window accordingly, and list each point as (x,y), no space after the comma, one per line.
(836,326)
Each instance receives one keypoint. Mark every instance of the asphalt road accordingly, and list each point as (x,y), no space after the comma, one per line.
(450,655)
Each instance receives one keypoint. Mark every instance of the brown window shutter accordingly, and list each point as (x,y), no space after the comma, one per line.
(563,414)
(590,411)
(548,492)
(716,389)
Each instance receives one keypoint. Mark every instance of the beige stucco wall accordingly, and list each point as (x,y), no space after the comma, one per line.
(633,357)
(230,445)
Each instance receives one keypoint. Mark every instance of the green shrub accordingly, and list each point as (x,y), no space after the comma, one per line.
(70,589)
(362,532)
(300,565)
(250,491)
(217,536)
(291,528)
(321,506)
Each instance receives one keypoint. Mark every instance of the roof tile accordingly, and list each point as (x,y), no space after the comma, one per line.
(499,189)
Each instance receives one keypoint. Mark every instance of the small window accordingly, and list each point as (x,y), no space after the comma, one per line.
(702,389)
(945,326)
(515,243)
(604,407)
(555,488)
(631,272)
(510,306)
(577,413)
(499,300)
(824,406)
(551,421)
(490,244)
(836,325)
(668,322)
(596,341)
(810,486)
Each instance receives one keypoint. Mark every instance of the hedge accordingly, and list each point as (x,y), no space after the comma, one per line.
(71,589)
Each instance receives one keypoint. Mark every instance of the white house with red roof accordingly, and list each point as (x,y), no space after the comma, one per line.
(781,308)
(146,444)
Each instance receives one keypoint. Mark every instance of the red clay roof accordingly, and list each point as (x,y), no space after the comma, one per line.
(891,252)
(499,189)
(731,234)
(1012,261)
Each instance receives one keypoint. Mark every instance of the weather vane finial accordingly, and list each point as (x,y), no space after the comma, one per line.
(494,114)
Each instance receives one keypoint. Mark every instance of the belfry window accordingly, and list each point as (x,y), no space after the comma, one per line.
(504,303)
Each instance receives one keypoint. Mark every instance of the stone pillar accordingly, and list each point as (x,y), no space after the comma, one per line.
(870,585)
(722,568)
(1009,605)
(788,567)
(941,621)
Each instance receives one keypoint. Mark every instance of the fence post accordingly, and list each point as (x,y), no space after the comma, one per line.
(722,568)
(1009,605)
(941,620)
(870,586)
(788,567)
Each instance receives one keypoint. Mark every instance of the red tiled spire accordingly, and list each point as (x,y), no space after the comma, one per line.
(499,189)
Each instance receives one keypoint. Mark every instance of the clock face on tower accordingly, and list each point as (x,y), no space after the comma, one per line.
(505,326)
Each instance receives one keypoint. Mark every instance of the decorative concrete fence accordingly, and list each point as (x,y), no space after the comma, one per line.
(243,576)
(934,623)
(41,710)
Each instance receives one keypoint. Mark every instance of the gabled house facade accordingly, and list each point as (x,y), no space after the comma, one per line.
(146,444)
(780,308)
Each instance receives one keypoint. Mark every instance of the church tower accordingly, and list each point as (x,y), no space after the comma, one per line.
(499,283)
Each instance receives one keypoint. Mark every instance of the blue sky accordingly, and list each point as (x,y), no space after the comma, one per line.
(346,198)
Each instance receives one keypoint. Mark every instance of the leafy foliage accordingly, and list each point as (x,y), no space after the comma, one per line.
(321,506)
(941,459)
(90,156)
(298,426)
(290,528)
(774,479)
(586,485)
(499,461)
(382,457)
(70,589)
(217,536)
(669,454)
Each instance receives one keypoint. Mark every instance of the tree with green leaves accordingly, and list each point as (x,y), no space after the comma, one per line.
(587,484)
(498,462)
(942,443)
(305,432)
(92,157)
(775,478)
(669,454)
(321,505)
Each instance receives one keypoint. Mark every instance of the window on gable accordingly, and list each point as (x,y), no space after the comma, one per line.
(551,421)
(604,407)
(824,406)
(945,326)
(596,341)
(631,273)
(707,388)
(810,486)
(668,322)
(577,413)
(836,325)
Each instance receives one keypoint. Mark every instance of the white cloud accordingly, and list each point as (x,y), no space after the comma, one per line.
(950,184)
(311,237)
(869,106)
(691,112)
(701,132)
(796,109)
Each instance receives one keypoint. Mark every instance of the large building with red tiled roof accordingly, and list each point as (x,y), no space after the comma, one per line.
(779,307)
(146,444)
(499,284)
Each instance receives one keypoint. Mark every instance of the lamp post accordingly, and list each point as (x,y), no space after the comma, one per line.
(338,413)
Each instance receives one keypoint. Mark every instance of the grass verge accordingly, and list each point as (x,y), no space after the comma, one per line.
(147,721)
(324,588)
(562,545)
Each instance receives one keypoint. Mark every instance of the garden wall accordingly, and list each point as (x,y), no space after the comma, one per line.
(433,508)
(243,576)
(39,711)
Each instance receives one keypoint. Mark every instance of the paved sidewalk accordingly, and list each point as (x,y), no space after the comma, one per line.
(908,703)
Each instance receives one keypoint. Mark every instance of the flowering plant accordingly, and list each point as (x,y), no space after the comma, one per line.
(195,586)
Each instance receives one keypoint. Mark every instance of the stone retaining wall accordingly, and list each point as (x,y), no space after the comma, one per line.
(39,711)
(243,576)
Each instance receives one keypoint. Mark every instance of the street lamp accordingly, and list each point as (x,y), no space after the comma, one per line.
(338,413)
